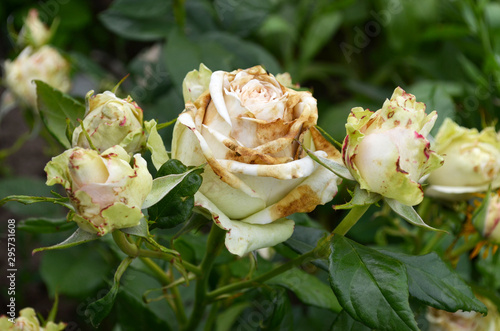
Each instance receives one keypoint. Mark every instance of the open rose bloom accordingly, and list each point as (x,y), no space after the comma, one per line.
(246,127)
(387,151)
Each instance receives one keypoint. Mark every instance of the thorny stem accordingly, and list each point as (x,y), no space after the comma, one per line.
(309,256)
(214,244)
(164,279)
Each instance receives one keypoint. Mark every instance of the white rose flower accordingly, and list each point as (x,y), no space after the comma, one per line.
(471,161)
(106,191)
(245,126)
(45,64)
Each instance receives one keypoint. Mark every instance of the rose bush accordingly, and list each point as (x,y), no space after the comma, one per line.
(111,121)
(245,126)
(105,190)
(44,64)
(471,161)
(387,151)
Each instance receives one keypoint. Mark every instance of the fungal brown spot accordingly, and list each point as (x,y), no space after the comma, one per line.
(399,169)
(390,114)
(301,200)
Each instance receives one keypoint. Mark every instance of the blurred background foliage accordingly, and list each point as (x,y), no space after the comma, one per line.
(347,52)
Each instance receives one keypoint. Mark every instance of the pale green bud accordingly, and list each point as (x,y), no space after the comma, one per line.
(34,32)
(106,191)
(471,161)
(45,64)
(387,151)
(111,121)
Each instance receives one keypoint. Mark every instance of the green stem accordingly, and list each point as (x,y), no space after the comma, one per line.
(169,257)
(212,316)
(176,304)
(180,13)
(351,218)
(214,244)
(126,246)
(309,256)
(166,124)
(429,247)
(467,246)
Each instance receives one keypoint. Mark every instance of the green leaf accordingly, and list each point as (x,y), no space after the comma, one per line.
(45,225)
(305,239)
(319,32)
(244,16)
(98,310)
(244,53)
(316,293)
(163,185)
(436,96)
(337,168)
(134,315)
(434,283)
(272,307)
(226,319)
(78,237)
(372,287)
(177,206)
(55,107)
(408,213)
(360,198)
(29,191)
(77,272)
(27,200)
(146,20)
(345,322)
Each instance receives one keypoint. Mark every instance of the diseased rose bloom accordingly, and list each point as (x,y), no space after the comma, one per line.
(440,320)
(106,191)
(245,126)
(488,226)
(34,32)
(387,151)
(471,161)
(27,321)
(45,64)
(111,121)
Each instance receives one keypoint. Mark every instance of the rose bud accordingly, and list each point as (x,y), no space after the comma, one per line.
(387,151)
(28,321)
(111,121)
(486,219)
(471,161)
(34,32)
(246,127)
(45,64)
(106,191)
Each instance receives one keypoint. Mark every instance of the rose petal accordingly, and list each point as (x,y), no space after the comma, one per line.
(317,189)
(242,238)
